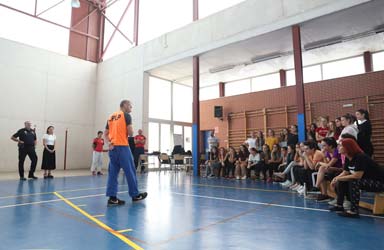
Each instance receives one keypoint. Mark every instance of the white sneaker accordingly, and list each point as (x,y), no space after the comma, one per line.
(293,186)
(300,189)
(333,202)
(244,177)
(297,188)
(347,205)
(237,177)
(286,183)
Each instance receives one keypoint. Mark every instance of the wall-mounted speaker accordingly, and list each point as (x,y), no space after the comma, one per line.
(218,112)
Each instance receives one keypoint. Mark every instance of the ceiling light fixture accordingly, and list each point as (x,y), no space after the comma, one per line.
(221,68)
(323,43)
(266,57)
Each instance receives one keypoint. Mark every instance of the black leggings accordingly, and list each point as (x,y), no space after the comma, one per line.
(303,175)
(258,167)
(351,189)
(229,167)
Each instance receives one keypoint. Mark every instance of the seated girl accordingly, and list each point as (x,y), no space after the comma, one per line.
(241,163)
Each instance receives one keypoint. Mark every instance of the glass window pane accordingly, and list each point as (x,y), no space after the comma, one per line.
(312,74)
(271,81)
(291,78)
(208,93)
(28,30)
(346,67)
(187,138)
(165,142)
(178,130)
(378,61)
(209,7)
(159,17)
(182,103)
(238,87)
(159,93)
(153,137)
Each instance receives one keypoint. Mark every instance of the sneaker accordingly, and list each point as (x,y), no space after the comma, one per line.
(293,186)
(99,173)
(333,202)
(322,198)
(336,209)
(140,197)
(311,196)
(347,204)
(301,191)
(31,176)
(115,202)
(93,172)
(280,175)
(287,183)
(349,214)
(237,177)
(297,187)
(244,177)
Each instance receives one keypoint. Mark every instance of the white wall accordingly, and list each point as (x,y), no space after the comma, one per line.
(48,89)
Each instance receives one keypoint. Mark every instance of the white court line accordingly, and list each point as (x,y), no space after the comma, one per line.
(266,204)
(193,195)
(55,200)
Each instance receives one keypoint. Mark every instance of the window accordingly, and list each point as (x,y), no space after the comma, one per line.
(378,61)
(346,67)
(159,99)
(28,30)
(211,92)
(182,103)
(265,82)
(165,140)
(153,137)
(159,17)
(312,73)
(238,87)
(291,78)
(209,7)
(187,138)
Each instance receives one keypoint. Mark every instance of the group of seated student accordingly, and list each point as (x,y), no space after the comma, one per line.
(337,152)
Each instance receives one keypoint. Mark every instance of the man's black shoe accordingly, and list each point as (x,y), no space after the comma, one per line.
(32,177)
(115,202)
(140,197)
(23,178)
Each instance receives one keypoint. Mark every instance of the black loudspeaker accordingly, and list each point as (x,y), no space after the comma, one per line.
(218,112)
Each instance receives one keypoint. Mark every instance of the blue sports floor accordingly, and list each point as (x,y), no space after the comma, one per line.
(181,212)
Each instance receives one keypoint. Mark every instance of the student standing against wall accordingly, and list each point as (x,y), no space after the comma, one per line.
(49,155)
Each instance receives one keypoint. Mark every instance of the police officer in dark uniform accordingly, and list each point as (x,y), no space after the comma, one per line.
(26,139)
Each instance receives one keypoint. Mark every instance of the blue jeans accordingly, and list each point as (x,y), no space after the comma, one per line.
(121,157)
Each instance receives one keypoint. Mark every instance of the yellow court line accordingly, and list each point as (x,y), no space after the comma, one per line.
(100,224)
(125,230)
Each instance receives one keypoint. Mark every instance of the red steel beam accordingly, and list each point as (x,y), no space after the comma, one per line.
(48,21)
(114,32)
(195,10)
(136,23)
(94,11)
(53,6)
(116,28)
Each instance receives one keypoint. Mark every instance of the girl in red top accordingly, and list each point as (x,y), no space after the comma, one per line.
(97,159)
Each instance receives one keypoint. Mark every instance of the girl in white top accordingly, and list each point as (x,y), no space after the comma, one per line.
(49,156)
(347,121)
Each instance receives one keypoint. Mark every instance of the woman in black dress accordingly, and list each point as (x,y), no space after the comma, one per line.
(365,131)
(49,156)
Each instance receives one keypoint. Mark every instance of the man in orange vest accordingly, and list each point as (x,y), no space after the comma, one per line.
(119,126)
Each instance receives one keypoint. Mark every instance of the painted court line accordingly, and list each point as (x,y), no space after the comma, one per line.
(266,204)
(100,224)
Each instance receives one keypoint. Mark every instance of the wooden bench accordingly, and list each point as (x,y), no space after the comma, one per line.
(378,202)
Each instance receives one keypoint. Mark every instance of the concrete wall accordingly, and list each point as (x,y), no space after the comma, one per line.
(48,89)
